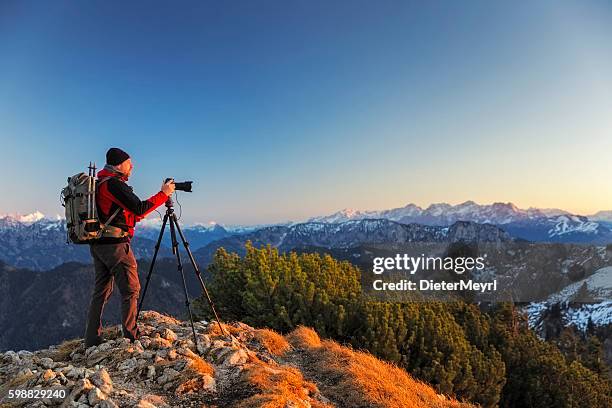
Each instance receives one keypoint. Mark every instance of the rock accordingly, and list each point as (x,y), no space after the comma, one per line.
(150,371)
(76,373)
(201,348)
(204,343)
(160,343)
(83,386)
(128,365)
(105,346)
(186,352)
(24,372)
(208,383)
(217,344)
(180,365)
(102,380)
(12,357)
(238,357)
(76,356)
(90,350)
(204,340)
(134,349)
(97,357)
(124,341)
(144,404)
(168,335)
(145,342)
(95,396)
(61,378)
(108,403)
(201,383)
(169,375)
(151,400)
(65,369)
(48,375)
(25,354)
(46,362)
(172,354)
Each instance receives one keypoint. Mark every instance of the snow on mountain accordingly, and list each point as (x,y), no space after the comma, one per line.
(565,224)
(548,212)
(24,218)
(531,224)
(30,218)
(598,287)
(496,213)
(13,222)
(348,214)
(588,300)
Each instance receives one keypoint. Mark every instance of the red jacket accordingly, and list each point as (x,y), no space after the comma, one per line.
(115,193)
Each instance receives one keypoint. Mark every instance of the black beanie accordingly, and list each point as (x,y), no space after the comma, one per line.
(116,156)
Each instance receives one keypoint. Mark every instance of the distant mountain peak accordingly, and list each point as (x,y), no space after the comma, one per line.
(532,223)
(25,218)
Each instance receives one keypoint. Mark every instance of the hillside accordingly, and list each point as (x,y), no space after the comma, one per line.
(252,368)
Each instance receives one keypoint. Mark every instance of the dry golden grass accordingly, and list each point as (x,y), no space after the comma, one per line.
(304,338)
(360,380)
(18,380)
(197,366)
(213,329)
(273,342)
(112,332)
(194,375)
(14,382)
(12,404)
(278,386)
(64,349)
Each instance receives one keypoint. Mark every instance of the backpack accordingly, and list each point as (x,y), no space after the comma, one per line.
(79,198)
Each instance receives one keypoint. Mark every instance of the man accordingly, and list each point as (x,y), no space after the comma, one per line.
(112,253)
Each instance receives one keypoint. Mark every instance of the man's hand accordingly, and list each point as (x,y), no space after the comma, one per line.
(168,188)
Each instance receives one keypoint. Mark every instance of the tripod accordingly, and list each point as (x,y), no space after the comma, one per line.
(174,226)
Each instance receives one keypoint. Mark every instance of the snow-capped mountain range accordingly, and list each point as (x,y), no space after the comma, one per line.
(557,222)
(38,242)
(443,213)
(533,224)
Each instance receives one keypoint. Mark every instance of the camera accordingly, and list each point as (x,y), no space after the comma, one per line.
(181,186)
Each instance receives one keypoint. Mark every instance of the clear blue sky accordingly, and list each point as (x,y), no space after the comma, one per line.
(287,109)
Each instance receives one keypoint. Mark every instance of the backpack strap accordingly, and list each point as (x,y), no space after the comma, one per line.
(113,231)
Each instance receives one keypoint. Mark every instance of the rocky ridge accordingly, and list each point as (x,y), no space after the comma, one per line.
(247,368)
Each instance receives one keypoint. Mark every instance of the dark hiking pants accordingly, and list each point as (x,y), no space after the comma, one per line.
(113,262)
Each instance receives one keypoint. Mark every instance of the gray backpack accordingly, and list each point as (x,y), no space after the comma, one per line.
(79,199)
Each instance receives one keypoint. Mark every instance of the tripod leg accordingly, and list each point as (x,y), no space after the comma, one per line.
(198,274)
(159,239)
(176,251)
